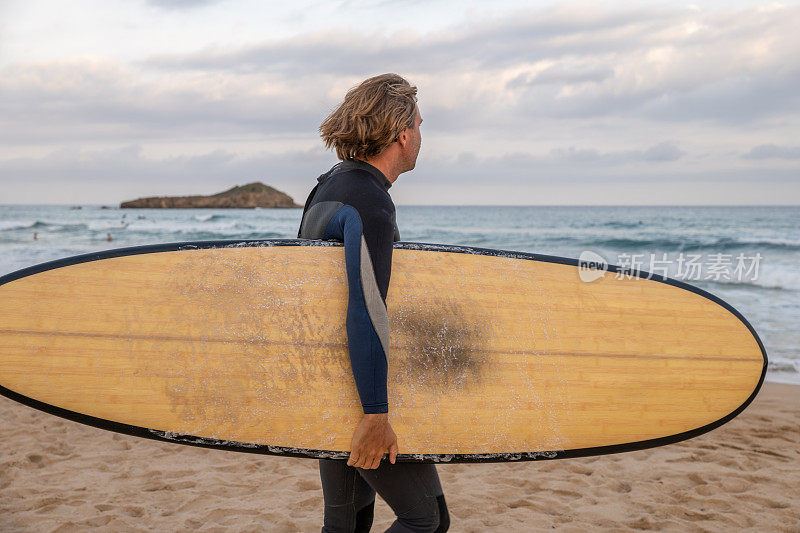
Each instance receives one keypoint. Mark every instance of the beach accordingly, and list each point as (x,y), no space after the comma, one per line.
(61,476)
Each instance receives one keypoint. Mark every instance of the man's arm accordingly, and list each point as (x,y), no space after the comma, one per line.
(367,319)
(368,248)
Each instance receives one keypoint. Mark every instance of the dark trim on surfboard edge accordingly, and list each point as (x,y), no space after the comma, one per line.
(206,442)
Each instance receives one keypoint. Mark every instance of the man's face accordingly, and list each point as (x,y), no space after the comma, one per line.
(414,141)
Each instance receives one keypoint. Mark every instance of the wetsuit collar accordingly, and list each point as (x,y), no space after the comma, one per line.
(349,164)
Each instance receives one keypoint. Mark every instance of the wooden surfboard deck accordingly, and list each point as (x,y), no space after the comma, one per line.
(494,356)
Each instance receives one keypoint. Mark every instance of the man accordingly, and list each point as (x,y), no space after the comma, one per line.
(375,132)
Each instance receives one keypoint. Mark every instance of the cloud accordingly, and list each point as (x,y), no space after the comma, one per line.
(665,151)
(572,62)
(661,152)
(515,178)
(773,151)
(88,98)
(488,44)
(560,75)
(131,163)
(181,4)
(570,92)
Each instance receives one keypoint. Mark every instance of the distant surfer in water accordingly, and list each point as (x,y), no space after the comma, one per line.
(376,134)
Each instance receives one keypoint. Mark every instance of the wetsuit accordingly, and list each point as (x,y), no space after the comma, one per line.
(351,203)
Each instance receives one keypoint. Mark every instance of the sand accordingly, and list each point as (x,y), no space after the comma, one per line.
(57,475)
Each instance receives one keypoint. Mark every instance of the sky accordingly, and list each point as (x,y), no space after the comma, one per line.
(524,102)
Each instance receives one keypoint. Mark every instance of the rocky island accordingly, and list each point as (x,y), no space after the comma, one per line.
(245,196)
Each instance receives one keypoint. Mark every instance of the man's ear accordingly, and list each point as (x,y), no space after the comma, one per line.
(402,138)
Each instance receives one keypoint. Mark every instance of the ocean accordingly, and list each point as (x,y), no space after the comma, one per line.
(748,256)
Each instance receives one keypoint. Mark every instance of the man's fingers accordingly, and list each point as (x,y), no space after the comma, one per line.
(376,461)
(353,458)
(393,452)
(365,462)
(368,461)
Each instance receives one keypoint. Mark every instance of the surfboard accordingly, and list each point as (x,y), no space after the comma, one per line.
(494,355)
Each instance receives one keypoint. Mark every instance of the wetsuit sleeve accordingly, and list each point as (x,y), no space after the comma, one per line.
(367,237)
(379,231)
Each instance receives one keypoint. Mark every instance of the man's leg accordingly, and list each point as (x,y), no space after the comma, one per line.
(349,500)
(414,493)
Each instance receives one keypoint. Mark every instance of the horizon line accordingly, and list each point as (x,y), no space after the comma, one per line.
(111,206)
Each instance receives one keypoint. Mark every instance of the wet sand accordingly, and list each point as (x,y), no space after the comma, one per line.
(57,475)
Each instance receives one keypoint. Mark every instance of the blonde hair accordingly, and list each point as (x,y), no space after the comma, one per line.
(371,117)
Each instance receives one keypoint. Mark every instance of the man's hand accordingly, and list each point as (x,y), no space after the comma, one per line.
(373,437)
